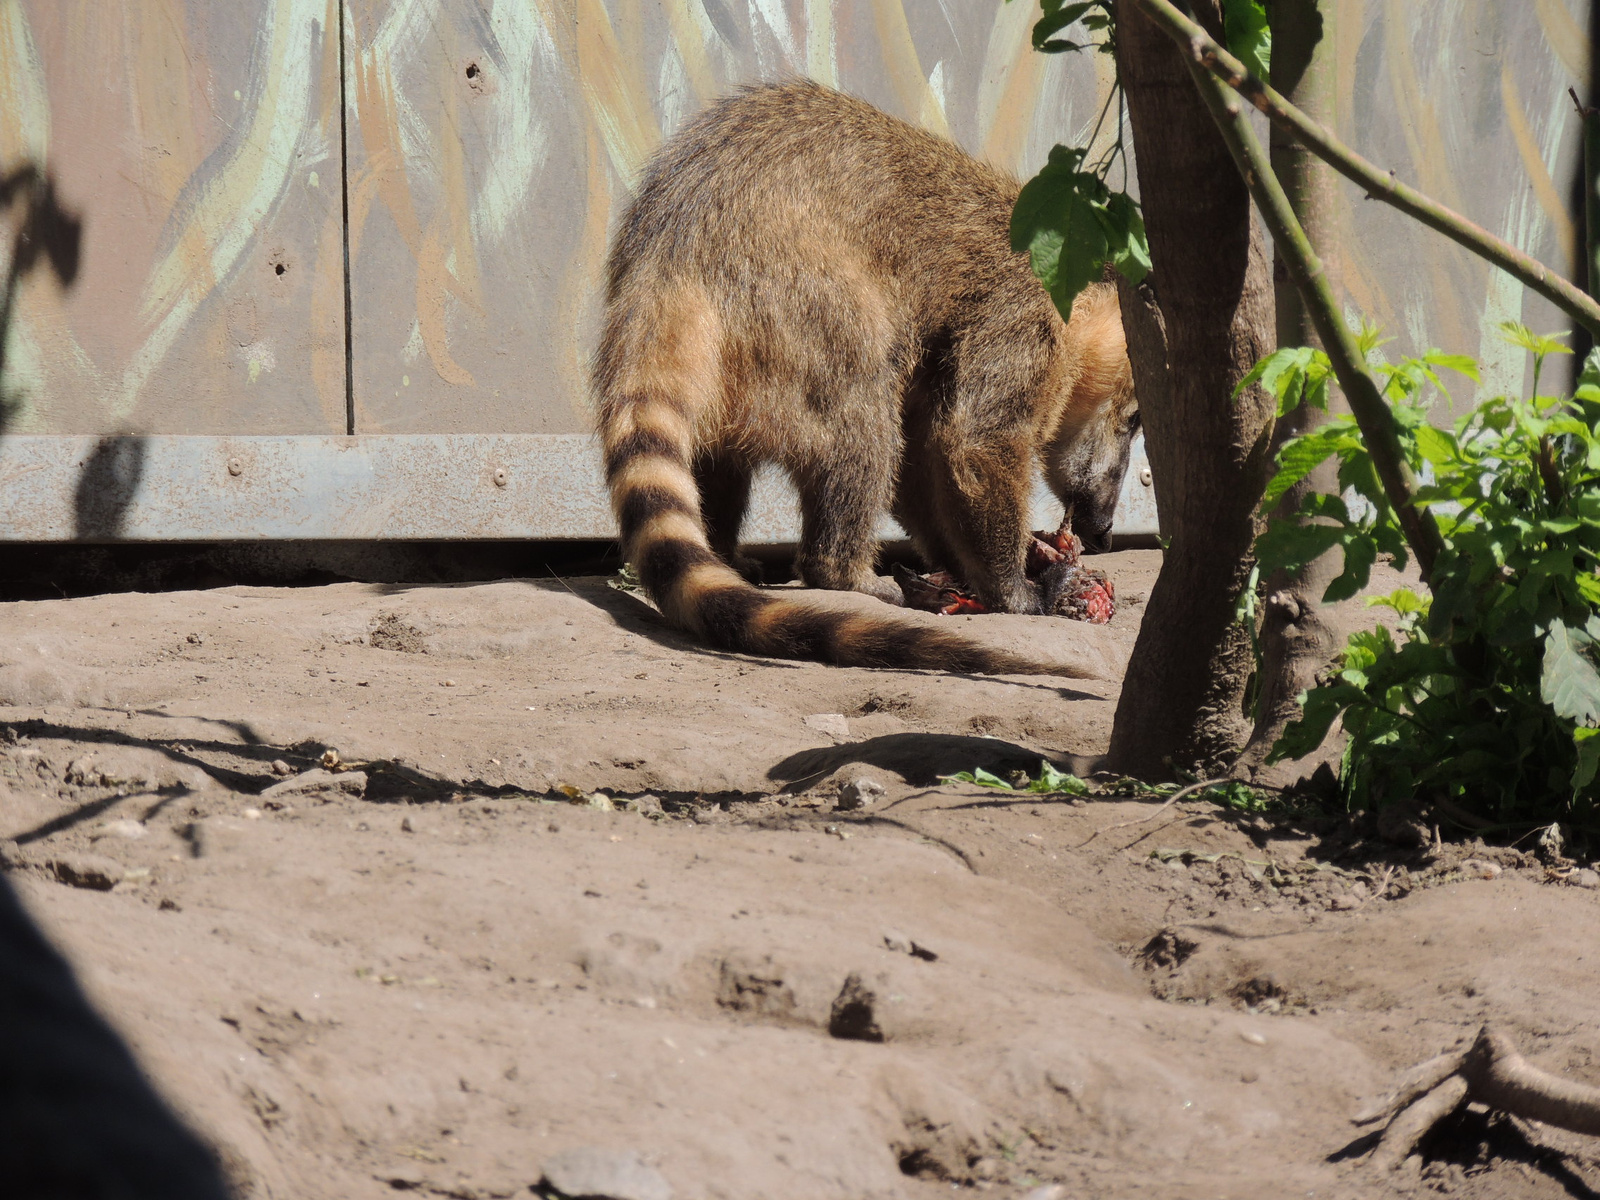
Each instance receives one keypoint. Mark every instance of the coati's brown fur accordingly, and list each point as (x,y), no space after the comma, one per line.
(802,279)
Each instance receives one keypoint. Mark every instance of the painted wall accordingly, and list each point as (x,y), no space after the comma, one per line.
(198,144)
(216,183)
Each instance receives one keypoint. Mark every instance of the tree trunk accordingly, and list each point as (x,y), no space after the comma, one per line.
(1296,642)
(1182,699)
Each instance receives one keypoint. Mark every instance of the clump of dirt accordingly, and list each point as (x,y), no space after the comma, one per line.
(389,632)
(607,898)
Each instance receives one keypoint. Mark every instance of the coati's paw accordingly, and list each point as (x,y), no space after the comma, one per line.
(884,589)
(1024,596)
(750,568)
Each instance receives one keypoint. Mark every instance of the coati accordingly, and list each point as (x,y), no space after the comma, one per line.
(804,280)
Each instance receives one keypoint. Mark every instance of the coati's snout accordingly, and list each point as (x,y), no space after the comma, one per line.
(1086,468)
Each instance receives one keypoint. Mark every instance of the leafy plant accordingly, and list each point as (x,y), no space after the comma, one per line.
(1485,697)
(1060,15)
(1066,219)
(1071,224)
(1050,781)
(1249,37)
(1365,530)
(1231,793)
(1241,797)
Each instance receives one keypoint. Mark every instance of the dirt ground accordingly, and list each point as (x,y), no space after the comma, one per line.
(433,971)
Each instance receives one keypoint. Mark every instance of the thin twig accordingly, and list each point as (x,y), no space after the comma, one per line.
(561,581)
(1170,801)
(1460,815)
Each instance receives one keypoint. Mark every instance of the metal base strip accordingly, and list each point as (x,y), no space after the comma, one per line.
(182,488)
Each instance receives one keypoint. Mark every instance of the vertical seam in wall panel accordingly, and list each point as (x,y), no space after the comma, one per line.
(344,200)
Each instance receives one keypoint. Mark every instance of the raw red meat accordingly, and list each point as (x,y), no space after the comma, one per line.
(1070,588)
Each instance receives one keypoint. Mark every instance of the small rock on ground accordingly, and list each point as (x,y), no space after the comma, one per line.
(319,780)
(894,940)
(859,793)
(832,724)
(88,871)
(646,805)
(594,1173)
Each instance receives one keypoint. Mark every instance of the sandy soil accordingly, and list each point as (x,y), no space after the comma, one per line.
(434,972)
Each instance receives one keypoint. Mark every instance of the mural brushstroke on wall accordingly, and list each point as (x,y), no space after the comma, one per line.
(490,143)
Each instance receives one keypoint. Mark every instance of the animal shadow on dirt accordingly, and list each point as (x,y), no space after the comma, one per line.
(918,758)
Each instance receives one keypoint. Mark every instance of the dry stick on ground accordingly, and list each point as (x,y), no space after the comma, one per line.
(1170,801)
(1490,1072)
(1380,184)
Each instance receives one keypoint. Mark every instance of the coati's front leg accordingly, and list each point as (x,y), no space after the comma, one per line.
(918,498)
(984,514)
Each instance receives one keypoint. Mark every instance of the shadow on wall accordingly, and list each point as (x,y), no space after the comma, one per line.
(50,235)
(47,233)
(77,1116)
(106,489)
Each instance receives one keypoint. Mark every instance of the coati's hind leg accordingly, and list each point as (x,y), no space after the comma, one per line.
(724,484)
(841,498)
(917,502)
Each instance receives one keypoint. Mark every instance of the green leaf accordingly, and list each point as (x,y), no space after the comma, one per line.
(1320,707)
(1244,25)
(1130,251)
(1298,458)
(1437,446)
(980,777)
(1058,782)
(1269,372)
(1569,683)
(1055,221)
(1057,17)
(1519,334)
(1460,363)
(1370,339)
(1403,601)
(1237,795)
(1588,744)
(1589,373)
